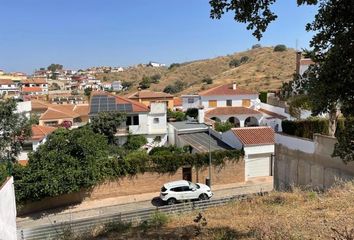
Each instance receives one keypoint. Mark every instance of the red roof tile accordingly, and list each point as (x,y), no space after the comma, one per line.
(34,81)
(273,114)
(40,132)
(177,101)
(149,94)
(231,111)
(32,89)
(6,82)
(255,135)
(226,90)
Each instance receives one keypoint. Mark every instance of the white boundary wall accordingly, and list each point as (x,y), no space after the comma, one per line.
(295,143)
(8,211)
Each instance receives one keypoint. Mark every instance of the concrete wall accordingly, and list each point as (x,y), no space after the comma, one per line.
(317,170)
(7,210)
(295,143)
(141,183)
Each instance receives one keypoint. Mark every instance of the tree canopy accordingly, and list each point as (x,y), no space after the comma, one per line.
(14,128)
(107,123)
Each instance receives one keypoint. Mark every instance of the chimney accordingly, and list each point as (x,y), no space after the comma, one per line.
(234,85)
(298,59)
(201,115)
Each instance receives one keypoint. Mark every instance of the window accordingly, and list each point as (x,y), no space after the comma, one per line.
(27,146)
(128,121)
(135,120)
(213,103)
(177,189)
(51,123)
(229,103)
(156,120)
(190,100)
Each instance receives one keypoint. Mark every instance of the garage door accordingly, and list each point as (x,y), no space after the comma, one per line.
(257,166)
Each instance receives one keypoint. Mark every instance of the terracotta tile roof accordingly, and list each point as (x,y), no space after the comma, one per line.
(273,114)
(137,107)
(40,132)
(226,90)
(59,112)
(34,81)
(306,61)
(32,89)
(82,110)
(231,111)
(148,94)
(38,105)
(254,135)
(177,101)
(6,82)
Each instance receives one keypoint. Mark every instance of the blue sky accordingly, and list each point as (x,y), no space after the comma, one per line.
(84,33)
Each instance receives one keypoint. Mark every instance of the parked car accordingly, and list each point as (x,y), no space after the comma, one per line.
(183,190)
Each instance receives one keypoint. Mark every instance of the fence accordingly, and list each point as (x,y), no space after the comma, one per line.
(85,225)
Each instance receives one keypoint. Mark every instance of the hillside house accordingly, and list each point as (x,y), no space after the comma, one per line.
(141,120)
(147,97)
(36,86)
(8,87)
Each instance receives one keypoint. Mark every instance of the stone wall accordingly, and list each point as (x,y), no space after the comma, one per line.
(317,170)
(7,210)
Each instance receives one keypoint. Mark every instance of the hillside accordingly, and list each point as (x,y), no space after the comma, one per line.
(279,215)
(265,70)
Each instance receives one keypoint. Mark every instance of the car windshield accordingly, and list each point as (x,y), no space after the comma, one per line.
(193,185)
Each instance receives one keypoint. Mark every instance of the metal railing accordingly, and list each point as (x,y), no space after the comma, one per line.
(85,225)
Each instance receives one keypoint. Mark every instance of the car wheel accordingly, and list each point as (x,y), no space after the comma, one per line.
(203,197)
(171,201)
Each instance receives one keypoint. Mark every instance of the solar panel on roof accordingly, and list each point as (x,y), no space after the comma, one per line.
(111,107)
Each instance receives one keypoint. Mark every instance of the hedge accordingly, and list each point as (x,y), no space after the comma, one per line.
(263,97)
(306,128)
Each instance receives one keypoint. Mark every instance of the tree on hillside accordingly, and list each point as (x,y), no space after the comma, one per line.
(107,123)
(14,128)
(331,79)
(87,92)
(234,63)
(69,161)
(280,48)
(54,67)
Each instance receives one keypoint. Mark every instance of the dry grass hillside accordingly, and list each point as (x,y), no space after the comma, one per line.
(265,70)
(278,215)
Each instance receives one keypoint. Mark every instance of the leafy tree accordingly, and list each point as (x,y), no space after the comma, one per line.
(126,85)
(3,172)
(178,86)
(69,161)
(176,115)
(160,151)
(145,83)
(107,123)
(297,103)
(135,142)
(155,78)
(87,92)
(280,48)
(223,127)
(234,63)
(192,112)
(207,80)
(55,86)
(14,128)
(345,146)
(54,67)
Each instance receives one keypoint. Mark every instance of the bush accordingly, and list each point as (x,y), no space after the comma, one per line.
(174,65)
(305,128)
(244,59)
(176,116)
(126,85)
(155,78)
(223,127)
(280,48)
(135,142)
(159,151)
(145,83)
(235,63)
(263,97)
(158,219)
(178,86)
(208,80)
(3,173)
(256,46)
(192,112)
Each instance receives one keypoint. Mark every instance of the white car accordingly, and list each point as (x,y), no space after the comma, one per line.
(184,190)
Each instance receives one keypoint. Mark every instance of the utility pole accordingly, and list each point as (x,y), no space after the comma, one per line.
(209,157)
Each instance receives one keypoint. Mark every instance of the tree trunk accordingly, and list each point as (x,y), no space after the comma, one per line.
(333,115)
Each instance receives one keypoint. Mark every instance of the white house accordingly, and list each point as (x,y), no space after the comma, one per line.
(141,120)
(117,86)
(258,144)
(8,87)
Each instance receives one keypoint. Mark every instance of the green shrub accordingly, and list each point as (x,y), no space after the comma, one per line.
(176,115)
(244,59)
(223,127)
(256,46)
(159,151)
(305,128)
(135,142)
(207,80)
(263,97)
(117,227)
(234,63)
(158,219)
(174,65)
(280,48)
(3,173)
(192,112)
